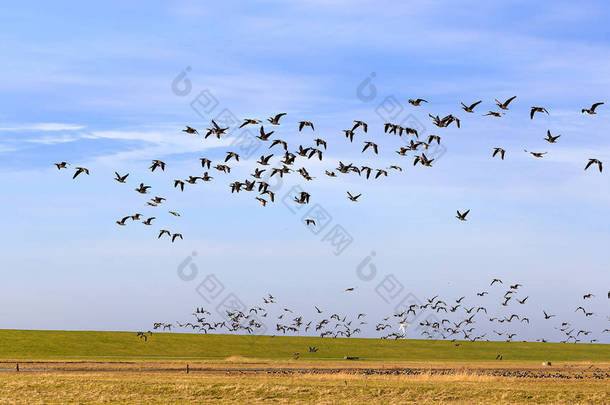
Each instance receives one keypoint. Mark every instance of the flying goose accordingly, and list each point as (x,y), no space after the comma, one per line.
(549,138)
(206,177)
(142,189)
(470,108)
(493,114)
(264,160)
(372,145)
(264,136)
(174,213)
(163,232)
(232,155)
(436,138)
(157,163)
(500,151)
(276,120)
(534,110)
(80,170)
(305,124)
(594,162)
(119,178)
(148,221)
(359,124)
(61,165)
(249,121)
(176,235)
(462,216)
(591,110)
(190,130)
(547,316)
(320,142)
(279,142)
(205,162)
(417,102)
(536,154)
(504,105)
(122,221)
(353,197)
(349,133)
(310,222)
(179,183)
(423,160)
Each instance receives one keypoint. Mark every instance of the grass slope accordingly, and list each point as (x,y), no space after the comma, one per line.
(60,345)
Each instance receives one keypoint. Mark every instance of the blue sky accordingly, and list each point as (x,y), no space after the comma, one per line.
(92,84)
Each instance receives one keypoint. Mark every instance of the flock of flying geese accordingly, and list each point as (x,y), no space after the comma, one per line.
(260,185)
(337,325)
(454,319)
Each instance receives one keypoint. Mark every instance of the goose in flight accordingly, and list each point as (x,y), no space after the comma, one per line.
(264,136)
(249,121)
(320,142)
(215,130)
(119,178)
(496,280)
(591,110)
(493,114)
(305,124)
(190,130)
(80,170)
(158,200)
(516,286)
(349,289)
(523,300)
(504,105)
(276,120)
(205,162)
(330,174)
(264,160)
(176,235)
(148,221)
(436,138)
(423,160)
(584,297)
(136,217)
(372,145)
(417,102)
(470,108)
(594,162)
(279,142)
(310,222)
(462,216)
(547,316)
(353,198)
(164,232)
(223,168)
(395,168)
(232,155)
(61,165)
(349,134)
(500,151)
(357,124)
(122,221)
(157,163)
(179,183)
(142,189)
(381,172)
(549,138)
(534,110)
(536,154)
(174,213)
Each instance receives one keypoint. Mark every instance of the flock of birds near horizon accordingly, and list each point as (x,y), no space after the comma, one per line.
(238,321)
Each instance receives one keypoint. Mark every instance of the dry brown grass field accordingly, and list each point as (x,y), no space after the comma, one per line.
(118,368)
